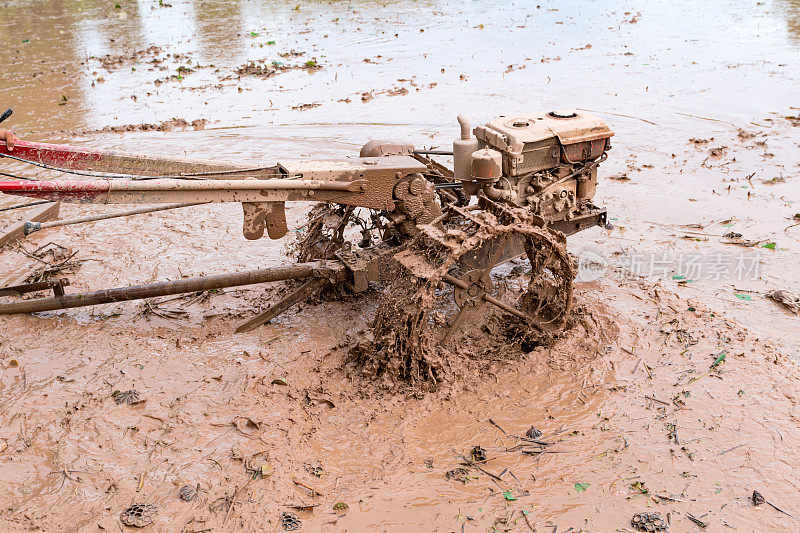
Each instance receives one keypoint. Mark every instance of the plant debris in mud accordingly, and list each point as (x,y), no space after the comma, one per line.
(457,474)
(112,62)
(759,499)
(696,520)
(260,69)
(129,397)
(323,235)
(167,125)
(648,522)
(139,515)
(314,470)
(290,521)
(51,259)
(533,433)
(477,455)
(189,493)
(789,300)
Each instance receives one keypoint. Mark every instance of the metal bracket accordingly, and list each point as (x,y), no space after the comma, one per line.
(591,217)
(264,215)
(356,266)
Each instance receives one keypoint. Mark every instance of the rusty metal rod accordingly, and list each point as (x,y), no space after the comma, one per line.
(106,191)
(277,184)
(23,206)
(31,227)
(33,287)
(433,152)
(181,286)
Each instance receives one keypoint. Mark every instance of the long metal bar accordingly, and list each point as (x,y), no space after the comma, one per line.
(300,294)
(31,227)
(210,174)
(236,185)
(103,191)
(163,185)
(100,160)
(23,206)
(322,269)
(433,152)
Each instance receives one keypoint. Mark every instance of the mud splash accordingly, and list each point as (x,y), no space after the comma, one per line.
(400,349)
(412,336)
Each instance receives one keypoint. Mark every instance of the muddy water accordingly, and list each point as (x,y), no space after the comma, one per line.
(73,456)
(734,64)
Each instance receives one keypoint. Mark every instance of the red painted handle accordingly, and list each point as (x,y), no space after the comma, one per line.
(60,155)
(56,190)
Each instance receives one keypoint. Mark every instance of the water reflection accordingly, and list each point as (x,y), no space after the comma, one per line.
(791,10)
(484,59)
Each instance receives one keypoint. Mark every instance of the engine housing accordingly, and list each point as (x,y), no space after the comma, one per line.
(549,161)
(530,143)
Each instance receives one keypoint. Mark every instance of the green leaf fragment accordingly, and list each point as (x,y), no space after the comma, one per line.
(769,246)
(509,496)
(720,358)
(581,487)
(745,297)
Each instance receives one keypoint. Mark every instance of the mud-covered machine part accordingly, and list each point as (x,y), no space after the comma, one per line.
(532,178)
(518,186)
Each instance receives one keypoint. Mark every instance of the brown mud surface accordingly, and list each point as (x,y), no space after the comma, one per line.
(637,407)
(168,125)
(628,402)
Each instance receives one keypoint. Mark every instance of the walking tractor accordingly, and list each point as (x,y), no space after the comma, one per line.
(436,239)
